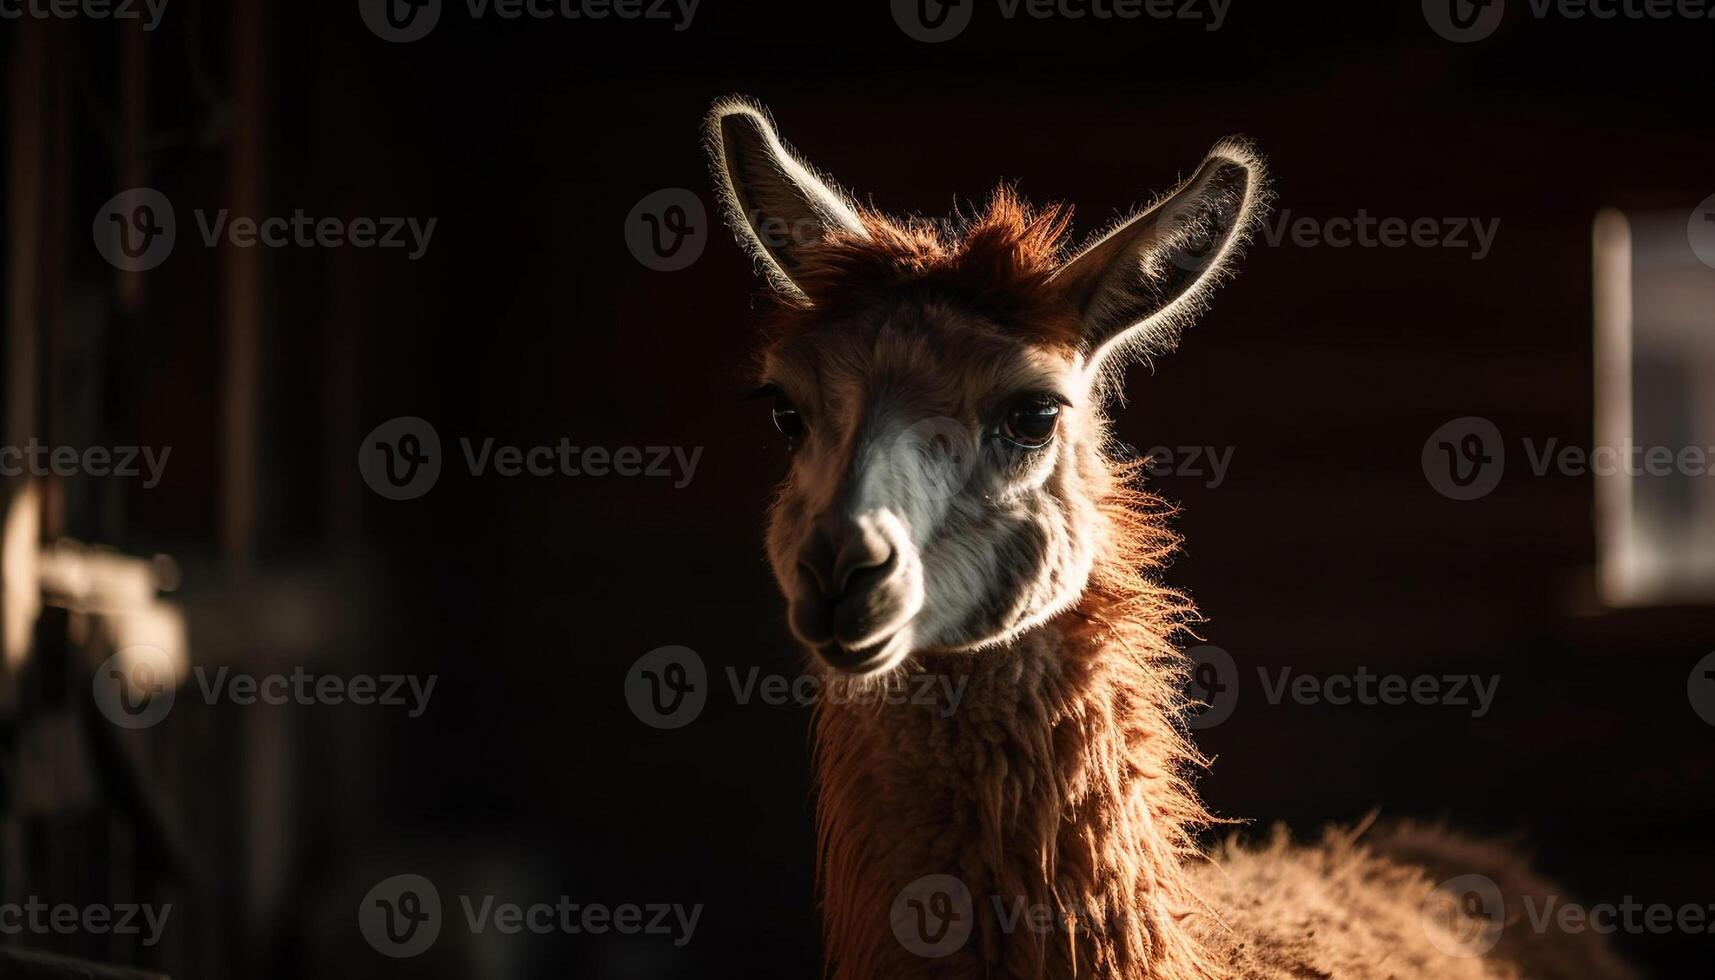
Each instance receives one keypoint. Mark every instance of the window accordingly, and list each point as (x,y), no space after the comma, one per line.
(1655,405)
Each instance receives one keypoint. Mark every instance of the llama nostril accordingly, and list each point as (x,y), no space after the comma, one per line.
(816,560)
(810,571)
(862,578)
(859,569)
(841,552)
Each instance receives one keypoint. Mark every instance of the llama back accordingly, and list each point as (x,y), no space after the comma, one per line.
(1282,910)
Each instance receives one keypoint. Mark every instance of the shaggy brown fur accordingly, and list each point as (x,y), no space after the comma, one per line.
(1000,264)
(1058,782)
(1061,780)
(1350,907)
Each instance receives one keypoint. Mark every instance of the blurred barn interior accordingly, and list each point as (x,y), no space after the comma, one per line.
(1323,549)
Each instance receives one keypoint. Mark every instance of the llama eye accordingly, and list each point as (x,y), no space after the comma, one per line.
(787,419)
(1030,422)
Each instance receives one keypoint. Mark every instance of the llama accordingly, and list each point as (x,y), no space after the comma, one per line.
(951,508)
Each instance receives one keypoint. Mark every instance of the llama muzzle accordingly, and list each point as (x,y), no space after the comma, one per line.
(855,590)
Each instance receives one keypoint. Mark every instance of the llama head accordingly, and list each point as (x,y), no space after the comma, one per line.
(942,387)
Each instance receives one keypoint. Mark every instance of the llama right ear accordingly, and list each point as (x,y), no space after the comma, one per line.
(774,201)
(1139,285)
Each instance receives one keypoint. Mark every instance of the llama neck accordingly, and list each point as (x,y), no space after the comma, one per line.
(1049,791)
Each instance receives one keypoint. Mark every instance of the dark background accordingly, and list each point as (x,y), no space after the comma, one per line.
(529,320)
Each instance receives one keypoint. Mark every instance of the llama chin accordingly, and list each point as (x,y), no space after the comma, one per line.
(952,509)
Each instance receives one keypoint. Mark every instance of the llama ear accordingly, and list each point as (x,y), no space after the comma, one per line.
(775,202)
(1138,286)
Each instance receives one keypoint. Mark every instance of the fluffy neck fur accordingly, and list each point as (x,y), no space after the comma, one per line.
(1057,782)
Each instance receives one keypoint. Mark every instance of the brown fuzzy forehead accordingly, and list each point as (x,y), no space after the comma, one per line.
(999,266)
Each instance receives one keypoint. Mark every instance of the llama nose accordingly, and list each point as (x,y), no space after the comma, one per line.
(843,554)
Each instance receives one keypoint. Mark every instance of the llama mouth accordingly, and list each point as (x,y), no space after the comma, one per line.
(859,660)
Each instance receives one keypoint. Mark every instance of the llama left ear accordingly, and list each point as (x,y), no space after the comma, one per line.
(1140,284)
(775,202)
